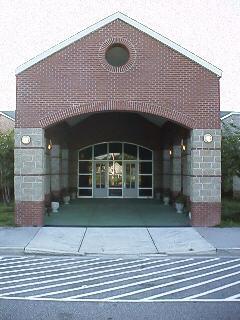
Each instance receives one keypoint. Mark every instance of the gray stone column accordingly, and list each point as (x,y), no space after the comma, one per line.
(30,169)
(166,170)
(236,187)
(56,169)
(64,169)
(176,170)
(73,168)
(157,169)
(205,186)
(47,176)
(186,165)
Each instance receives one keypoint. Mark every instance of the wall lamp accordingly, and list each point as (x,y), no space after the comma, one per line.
(207,138)
(49,145)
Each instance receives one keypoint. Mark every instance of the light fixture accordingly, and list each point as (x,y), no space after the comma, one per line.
(170,152)
(207,138)
(26,139)
(49,145)
(184,147)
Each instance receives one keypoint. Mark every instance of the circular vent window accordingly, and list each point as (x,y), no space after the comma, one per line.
(117,55)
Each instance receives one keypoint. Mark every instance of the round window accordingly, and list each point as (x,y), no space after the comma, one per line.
(117,55)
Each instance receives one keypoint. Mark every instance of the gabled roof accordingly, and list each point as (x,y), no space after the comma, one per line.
(8,114)
(226,114)
(130,21)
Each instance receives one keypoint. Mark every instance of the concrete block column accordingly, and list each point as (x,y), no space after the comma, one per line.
(64,168)
(166,170)
(47,176)
(55,163)
(186,168)
(205,195)
(29,180)
(236,187)
(176,162)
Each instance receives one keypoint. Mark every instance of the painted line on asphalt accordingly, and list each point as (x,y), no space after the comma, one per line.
(212,290)
(122,279)
(193,285)
(146,281)
(233,297)
(115,301)
(62,265)
(22,261)
(75,265)
(33,264)
(173,282)
(70,283)
(77,271)
(85,275)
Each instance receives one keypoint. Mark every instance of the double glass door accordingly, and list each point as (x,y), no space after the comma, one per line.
(115,169)
(115,179)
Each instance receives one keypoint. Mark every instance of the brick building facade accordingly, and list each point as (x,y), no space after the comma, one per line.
(118,84)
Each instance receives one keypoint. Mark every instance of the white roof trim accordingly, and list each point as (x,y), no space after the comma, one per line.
(5,115)
(230,114)
(130,21)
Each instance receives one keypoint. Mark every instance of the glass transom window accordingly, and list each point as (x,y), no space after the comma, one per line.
(115,169)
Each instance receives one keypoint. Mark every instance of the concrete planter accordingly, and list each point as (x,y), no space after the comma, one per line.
(179,207)
(55,206)
(73,196)
(66,199)
(166,201)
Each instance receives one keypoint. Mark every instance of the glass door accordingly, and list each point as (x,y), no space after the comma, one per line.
(100,180)
(130,185)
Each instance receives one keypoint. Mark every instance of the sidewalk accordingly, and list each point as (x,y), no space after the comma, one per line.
(113,241)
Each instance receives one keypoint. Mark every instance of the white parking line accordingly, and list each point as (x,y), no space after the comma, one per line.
(116,301)
(70,283)
(122,279)
(212,290)
(32,264)
(63,267)
(170,283)
(153,279)
(15,263)
(85,274)
(192,286)
(236,296)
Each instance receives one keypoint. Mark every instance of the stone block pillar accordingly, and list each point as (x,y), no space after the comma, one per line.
(166,170)
(236,187)
(176,163)
(205,195)
(64,169)
(55,156)
(29,177)
(186,168)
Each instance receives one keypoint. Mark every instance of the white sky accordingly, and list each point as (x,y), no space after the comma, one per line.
(208,28)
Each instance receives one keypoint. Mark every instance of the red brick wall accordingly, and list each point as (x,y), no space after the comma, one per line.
(29,213)
(159,79)
(205,214)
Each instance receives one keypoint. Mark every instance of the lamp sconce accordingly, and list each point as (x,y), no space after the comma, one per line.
(170,152)
(49,147)
(26,140)
(183,146)
(208,138)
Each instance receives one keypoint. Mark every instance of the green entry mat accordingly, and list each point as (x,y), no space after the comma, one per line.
(117,213)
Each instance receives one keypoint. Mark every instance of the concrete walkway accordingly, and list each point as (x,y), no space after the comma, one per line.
(113,241)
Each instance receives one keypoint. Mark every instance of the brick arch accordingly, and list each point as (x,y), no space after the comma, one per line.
(117,105)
